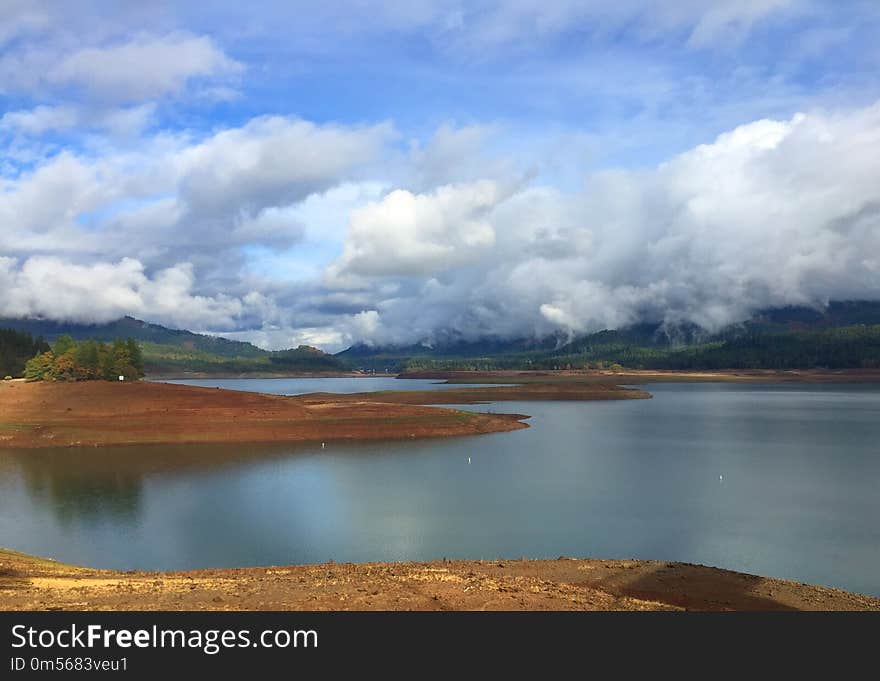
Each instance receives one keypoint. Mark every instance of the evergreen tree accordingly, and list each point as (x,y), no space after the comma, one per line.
(106,363)
(63,344)
(122,364)
(88,360)
(137,357)
(16,348)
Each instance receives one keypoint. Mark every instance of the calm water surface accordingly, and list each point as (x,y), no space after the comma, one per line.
(303,386)
(779,480)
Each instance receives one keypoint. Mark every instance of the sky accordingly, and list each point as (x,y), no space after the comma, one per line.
(329,173)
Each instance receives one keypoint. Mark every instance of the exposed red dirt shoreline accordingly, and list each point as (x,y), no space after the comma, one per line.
(96,413)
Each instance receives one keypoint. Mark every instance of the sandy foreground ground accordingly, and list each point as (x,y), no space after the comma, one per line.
(28,583)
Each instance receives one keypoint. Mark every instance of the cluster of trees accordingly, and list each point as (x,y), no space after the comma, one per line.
(16,348)
(68,360)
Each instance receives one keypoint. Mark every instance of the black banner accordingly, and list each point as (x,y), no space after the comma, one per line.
(90,644)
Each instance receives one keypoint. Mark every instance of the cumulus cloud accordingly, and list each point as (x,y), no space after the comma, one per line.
(270,161)
(771,213)
(53,288)
(177,198)
(127,188)
(115,227)
(417,234)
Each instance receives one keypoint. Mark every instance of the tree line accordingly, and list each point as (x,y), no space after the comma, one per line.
(16,348)
(69,360)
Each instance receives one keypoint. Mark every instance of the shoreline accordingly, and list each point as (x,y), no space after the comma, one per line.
(202,375)
(566,375)
(103,413)
(100,413)
(32,583)
(641,376)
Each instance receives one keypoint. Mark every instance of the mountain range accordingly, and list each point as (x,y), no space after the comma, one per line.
(843,334)
(179,352)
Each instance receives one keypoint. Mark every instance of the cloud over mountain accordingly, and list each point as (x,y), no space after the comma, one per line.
(339,172)
(771,213)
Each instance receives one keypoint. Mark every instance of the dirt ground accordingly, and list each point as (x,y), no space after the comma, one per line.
(28,583)
(94,413)
(528,391)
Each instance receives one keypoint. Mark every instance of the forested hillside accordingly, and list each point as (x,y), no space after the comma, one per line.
(843,336)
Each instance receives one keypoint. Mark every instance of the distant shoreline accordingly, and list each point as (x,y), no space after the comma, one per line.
(566,375)
(196,375)
(637,376)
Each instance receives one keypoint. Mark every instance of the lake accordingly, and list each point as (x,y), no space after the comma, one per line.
(304,386)
(774,479)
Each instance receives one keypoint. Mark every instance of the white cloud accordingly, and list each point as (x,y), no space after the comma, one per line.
(39,120)
(50,287)
(771,213)
(143,68)
(116,121)
(416,234)
(131,69)
(172,198)
(21,17)
(272,161)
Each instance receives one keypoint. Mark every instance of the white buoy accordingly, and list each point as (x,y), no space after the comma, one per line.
(720,478)
(469,459)
(322,445)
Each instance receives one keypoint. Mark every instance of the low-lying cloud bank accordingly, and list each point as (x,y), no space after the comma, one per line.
(772,213)
(776,212)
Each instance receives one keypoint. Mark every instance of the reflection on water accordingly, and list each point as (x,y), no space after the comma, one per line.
(76,495)
(304,386)
(775,480)
(90,485)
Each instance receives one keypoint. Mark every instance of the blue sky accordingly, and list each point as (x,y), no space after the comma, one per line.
(336,172)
